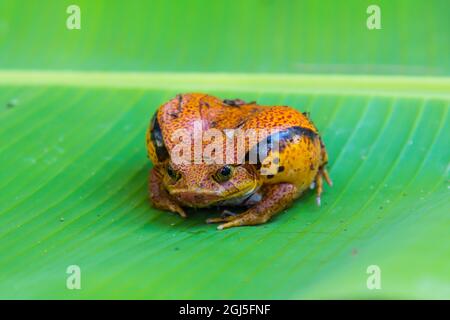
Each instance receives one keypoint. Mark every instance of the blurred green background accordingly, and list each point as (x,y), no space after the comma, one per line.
(230,36)
(75,104)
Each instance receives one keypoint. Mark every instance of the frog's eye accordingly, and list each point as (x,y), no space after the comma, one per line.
(224,173)
(175,175)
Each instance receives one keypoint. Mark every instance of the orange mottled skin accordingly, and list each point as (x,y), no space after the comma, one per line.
(301,160)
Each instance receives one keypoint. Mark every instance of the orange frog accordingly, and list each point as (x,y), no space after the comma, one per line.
(294,158)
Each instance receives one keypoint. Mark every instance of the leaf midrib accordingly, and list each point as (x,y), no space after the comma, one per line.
(373,85)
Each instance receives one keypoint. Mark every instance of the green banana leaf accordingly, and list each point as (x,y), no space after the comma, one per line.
(75,105)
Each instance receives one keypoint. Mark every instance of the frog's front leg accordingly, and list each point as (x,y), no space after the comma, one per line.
(276,198)
(159,196)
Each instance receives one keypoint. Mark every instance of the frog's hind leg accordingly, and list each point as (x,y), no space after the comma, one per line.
(321,174)
(276,198)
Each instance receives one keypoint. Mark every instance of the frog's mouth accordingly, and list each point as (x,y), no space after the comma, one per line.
(249,197)
(206,199)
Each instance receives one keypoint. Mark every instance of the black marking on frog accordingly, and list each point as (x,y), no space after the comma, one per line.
(236,102)
(157,139)
(263,148)
(180,103)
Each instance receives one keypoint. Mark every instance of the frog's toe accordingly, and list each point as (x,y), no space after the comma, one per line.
(220,219)
(225,216)
(318,201)
(227,213)
(327,177)
(176,209)
(245,219)
(215,220)
(181,212)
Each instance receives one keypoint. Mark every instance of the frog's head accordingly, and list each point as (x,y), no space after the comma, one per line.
(203,185)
